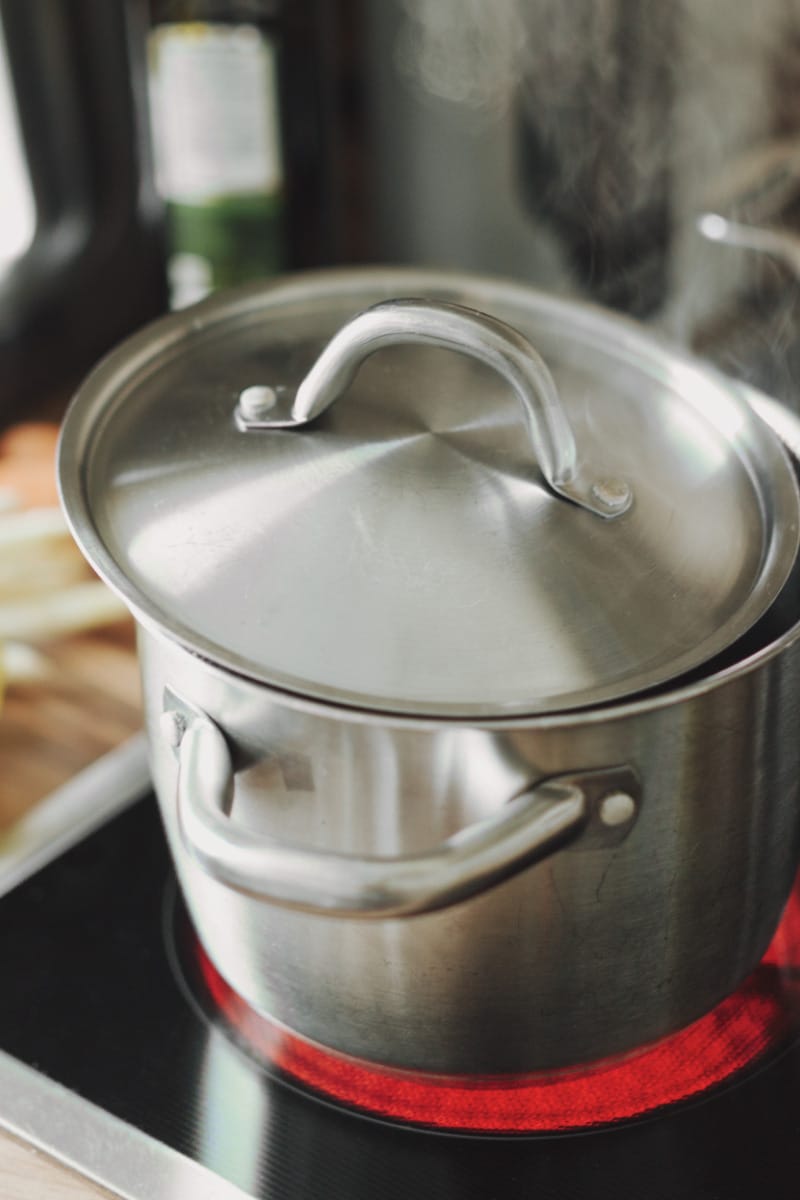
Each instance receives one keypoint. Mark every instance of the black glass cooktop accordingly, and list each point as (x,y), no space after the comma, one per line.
(96,996)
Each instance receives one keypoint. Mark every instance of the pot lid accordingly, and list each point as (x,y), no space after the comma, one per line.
(447,527)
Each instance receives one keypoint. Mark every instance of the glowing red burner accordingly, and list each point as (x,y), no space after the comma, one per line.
(736,1033)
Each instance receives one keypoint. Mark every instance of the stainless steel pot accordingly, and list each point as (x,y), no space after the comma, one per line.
(369,877)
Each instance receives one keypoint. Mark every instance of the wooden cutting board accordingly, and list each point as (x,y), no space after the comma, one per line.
(48,732)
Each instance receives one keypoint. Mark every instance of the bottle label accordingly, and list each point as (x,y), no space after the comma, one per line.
(216,143)
(213,97)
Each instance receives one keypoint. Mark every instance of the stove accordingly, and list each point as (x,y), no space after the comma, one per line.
(123,1053)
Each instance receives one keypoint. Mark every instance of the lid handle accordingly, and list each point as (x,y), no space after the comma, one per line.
(452,327)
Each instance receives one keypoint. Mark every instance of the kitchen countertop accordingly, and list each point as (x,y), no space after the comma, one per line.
(48,732)
(27,1174)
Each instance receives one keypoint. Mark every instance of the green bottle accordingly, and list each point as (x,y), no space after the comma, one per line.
(214,108)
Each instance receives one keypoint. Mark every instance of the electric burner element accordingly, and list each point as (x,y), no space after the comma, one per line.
(739,1032)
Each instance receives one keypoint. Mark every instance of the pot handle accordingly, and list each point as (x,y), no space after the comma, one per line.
(598,806)
(451,327)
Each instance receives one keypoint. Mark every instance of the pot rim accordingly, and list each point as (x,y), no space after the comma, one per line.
(127,364)
(567,719)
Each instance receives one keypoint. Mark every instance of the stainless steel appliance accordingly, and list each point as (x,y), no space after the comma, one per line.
(471,670)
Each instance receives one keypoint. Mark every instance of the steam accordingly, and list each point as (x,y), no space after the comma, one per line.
(639,69)
(469,52)
(634,111)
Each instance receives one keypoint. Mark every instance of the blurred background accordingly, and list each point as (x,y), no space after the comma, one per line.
(636,154)
(641,155)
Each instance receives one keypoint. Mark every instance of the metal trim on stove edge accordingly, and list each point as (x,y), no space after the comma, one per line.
(40,1111)
(74,810)
(98,1146)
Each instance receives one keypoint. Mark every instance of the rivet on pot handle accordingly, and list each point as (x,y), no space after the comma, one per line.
(452,327)
(600,806)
